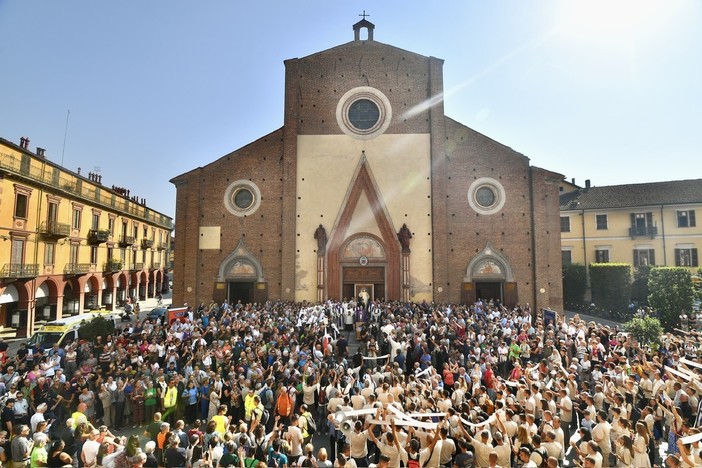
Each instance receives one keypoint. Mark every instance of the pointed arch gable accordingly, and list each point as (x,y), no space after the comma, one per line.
(241,263)
(364,183)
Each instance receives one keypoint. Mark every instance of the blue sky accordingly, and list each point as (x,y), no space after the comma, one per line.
(602,90)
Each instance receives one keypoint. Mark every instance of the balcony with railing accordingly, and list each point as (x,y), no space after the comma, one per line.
(162,246)
(147,243)
(54,229)
(125,241)
(77,268)
(155,265)
(19,270)
(643,231)
(138,266)
(112,266)
(97,236)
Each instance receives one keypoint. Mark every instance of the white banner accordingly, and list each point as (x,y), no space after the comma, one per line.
(370,358)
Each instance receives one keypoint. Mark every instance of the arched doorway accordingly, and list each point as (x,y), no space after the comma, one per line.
(241,278)
(122,286)
(46,298)
(9,308)
(143,283)
(489,277)
(71,299)
(91,290)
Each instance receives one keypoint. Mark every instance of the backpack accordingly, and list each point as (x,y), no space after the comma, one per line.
(259,453)
(265,395)
(311,424)
(284,404)
(543,454)
(412,462)
(265,415)
(322,397)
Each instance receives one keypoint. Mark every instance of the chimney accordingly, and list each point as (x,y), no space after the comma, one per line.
(22,142)
(40,152)
(572,181)
(587,183)
(79,171)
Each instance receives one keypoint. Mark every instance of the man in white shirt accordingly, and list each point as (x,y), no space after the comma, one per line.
(503,450)
(552,447)
(601,435)
(523,455)
(565,407)
(90,449)
(38,416)
(390,450)
(359,447)
(448,447)
(482,448)
(294,438)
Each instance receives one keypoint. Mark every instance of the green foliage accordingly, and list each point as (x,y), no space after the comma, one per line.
(639,287)
(670,294)
(646,330)
(98,326)
(574,283)
(611,287)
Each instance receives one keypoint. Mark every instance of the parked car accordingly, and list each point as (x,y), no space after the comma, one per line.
(156,313)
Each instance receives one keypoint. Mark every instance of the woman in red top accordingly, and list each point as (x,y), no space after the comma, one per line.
(448,377)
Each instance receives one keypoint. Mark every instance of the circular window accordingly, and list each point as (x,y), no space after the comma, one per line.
(363,113)
(242,198)
(486,196)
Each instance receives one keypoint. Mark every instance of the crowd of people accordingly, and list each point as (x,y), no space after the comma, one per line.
(348,384)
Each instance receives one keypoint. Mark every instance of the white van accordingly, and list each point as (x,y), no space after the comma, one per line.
(60,331)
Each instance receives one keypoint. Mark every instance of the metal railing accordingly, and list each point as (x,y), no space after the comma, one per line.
(98,236)
(138,266)
(19,270)
(643,231)
(112,266)
(126,240)
(77,268)
(54,228)
(147,243)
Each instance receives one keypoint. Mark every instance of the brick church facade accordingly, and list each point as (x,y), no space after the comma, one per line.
(368,188)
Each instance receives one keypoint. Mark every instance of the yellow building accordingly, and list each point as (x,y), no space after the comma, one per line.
(70,244)
(640,224)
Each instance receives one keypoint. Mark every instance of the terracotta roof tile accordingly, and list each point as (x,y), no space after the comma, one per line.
(676,192)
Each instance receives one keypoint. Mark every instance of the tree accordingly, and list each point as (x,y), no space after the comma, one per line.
(670,294)
(97,326)
(611,287)
(646,330)
(574,283)
(639,287)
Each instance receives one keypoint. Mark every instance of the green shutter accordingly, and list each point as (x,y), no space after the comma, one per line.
(636,258)
(691,218)
(677,257)
(651,257)
(693,254)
